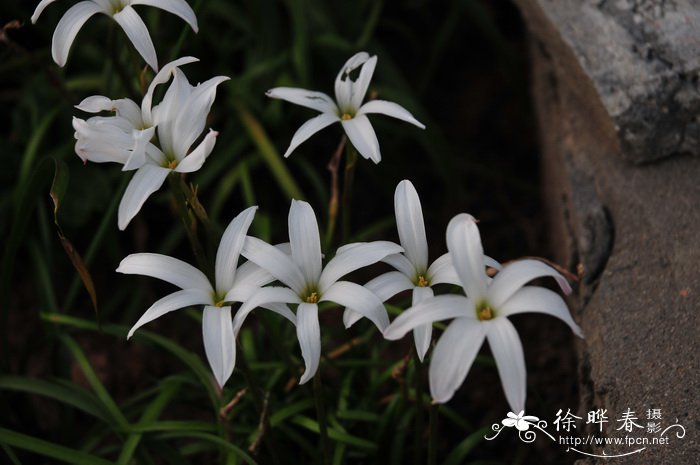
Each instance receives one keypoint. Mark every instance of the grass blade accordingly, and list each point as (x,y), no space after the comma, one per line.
(49,449)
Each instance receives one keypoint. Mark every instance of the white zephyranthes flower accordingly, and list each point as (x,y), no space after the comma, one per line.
(123,13)
(412,267)
(125,138)
(482,314)
(347,109)
(308,283)
(232,284)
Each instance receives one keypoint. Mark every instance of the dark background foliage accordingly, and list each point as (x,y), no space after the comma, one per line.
(459,65)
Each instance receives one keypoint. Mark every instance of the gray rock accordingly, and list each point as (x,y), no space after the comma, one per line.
(631,229)
(643,59)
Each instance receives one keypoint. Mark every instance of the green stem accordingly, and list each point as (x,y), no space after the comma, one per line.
(333,166)
(433,432)
(189,223)
(260,403)
(350,164)
(321,414)
(418,375)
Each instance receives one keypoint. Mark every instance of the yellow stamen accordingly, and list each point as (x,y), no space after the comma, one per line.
(484,312)
(312,298)
(172,164)
(346,116)
(422,282)
(219,303)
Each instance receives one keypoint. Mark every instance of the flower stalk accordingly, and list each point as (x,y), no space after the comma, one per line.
(350,164)
(321,415)
(189,223)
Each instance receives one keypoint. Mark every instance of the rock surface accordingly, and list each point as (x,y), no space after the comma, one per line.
(643,59)
(605,103)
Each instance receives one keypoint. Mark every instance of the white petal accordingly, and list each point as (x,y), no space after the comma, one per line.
(96,104)
(358,299)
(401,263)
(219,342)
(146,181)
(309,128)
(162,77)
(169,269)
(438,308)
(138,34)
(68,28)
(390,109)
(409,222)
(174,301)
(493,263)
(230,248)
(361,256)
(513,276)
(343,84)
(191,120)
(305,241)
(453,356)
(282,309)
(263,298)
(359,88)
(177,7)
(306,98)
(422,334)
(363,138)
(441,271)
(39,8)
(275,262)
(464,245)
(127,108)
(137,158)
(351,317)
(384,286)
(389,284)
(539,300)
(198,156)
(507,350)
(251,275)
(309,335)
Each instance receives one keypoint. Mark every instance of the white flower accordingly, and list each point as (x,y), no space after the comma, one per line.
(308,283)
(231,285)
(347,108)
(482,314)
(123,13)
(178,121)
(412,267)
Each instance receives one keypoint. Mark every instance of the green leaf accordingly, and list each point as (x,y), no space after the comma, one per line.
(58,190)
(107,402)
(290,410)
(151,413)
(190,359)
(216,440)
(74,396)
(49,449)
(269,152)
(460,452)
(335,434)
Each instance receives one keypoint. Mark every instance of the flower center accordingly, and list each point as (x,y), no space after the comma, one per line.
(346,116)
(312,298)
(484,311)
(172,164)
(219,303)
(422,281)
